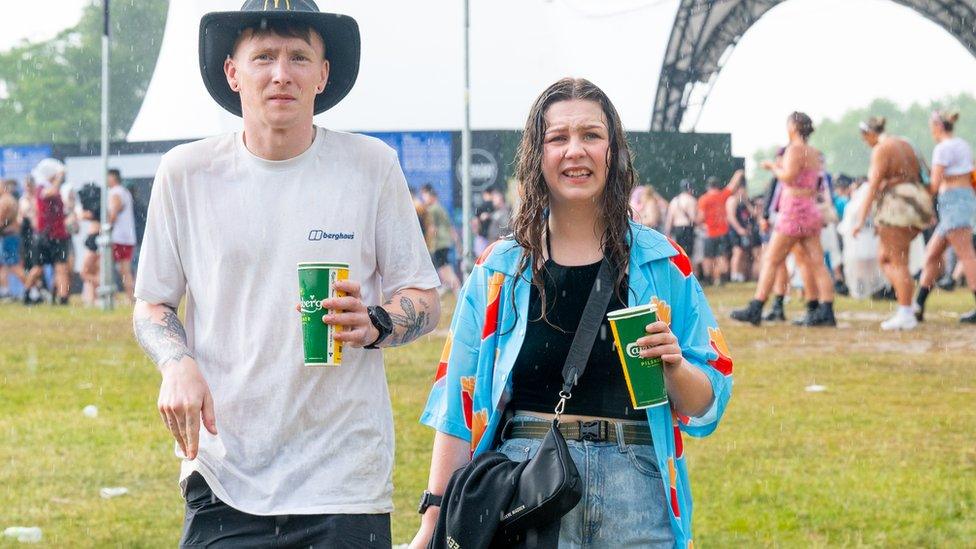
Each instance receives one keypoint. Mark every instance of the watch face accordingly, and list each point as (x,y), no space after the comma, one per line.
(383,318)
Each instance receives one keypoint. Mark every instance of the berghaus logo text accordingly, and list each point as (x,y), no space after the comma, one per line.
(318,234)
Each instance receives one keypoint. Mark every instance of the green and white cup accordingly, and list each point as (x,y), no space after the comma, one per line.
(645,376)
(316,282)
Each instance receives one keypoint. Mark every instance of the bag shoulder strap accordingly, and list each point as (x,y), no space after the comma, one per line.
(590,321)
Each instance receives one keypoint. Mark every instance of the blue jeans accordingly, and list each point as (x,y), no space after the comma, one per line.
(957,208)
(10,250)
(624,503)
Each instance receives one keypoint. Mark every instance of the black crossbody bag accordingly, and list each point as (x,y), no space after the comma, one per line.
(549,485)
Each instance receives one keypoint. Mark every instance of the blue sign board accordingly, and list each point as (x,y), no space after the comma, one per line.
(425,157)
(17,162)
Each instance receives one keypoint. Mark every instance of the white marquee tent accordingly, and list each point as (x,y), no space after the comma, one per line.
(411,74)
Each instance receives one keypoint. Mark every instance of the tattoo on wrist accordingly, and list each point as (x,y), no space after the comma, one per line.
(162,342)
(412,323)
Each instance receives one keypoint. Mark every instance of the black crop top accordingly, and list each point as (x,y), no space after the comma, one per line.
(537,375)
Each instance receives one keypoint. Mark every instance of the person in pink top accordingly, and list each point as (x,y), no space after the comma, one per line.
(799,223)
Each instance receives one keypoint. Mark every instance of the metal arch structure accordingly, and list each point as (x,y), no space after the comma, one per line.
(706,31)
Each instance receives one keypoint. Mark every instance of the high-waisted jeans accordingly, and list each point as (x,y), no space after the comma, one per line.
(624,503)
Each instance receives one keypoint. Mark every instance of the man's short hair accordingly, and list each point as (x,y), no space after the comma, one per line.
(116,173)
(285,29)
(713,182)
(428,188)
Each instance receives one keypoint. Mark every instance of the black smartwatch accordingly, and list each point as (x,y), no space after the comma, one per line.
(382,322)
(428,500)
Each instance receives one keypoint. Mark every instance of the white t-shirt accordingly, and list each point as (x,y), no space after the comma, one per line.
(227,229)
(954,155)
(124,228)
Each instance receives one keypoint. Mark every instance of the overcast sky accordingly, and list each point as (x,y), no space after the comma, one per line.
(849,52)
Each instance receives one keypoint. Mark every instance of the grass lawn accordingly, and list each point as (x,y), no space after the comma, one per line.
(886,456)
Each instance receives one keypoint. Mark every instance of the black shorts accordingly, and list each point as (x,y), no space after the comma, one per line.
(440,257)
(209,522)
(51,250)
(745,242)
(685,237)
(717,247)
(91,242)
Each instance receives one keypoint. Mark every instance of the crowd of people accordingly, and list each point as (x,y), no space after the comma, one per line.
(829,235)
(489,223)
(902,201)
(39,222)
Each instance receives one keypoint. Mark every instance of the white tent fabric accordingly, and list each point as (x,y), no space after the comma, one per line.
(411,75)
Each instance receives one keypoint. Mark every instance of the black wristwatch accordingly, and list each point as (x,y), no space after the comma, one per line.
(428,500)
(382,322)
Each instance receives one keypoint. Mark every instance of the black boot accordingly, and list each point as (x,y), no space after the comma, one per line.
(751,314)
(920,298)
(823,316)
(968,318)
(812,306)
(776,313)
(840,288)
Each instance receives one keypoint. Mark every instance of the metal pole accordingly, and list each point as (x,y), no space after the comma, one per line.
(467,262)
(106,279)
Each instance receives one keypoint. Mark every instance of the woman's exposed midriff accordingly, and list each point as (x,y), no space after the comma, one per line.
(799,193)
(957,181)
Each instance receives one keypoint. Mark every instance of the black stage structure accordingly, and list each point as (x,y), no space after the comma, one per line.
(705,31)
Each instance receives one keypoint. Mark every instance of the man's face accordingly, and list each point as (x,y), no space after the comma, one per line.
(112,180)
(278,77)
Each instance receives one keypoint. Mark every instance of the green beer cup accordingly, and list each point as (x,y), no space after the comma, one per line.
(316,282)
(645,376)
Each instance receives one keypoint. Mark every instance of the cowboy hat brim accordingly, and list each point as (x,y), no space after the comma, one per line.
(219,30)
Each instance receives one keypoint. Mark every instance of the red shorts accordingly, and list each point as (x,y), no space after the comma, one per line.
(122,252)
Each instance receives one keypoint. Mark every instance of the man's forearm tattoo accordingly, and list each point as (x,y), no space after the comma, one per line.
(412,323)
(162,342)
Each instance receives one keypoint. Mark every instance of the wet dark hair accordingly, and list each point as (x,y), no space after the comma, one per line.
(802,123)
(529,224)
(116,173)
(713,182)
(285,29)
(428,188)
(687,186)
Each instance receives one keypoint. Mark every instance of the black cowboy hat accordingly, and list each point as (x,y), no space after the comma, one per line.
(219,30)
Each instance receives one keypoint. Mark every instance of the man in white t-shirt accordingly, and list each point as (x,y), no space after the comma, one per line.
(289,455)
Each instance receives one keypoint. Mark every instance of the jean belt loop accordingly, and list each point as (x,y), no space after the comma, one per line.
(621,443)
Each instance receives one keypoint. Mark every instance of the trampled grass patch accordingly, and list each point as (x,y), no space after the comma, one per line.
(885,456)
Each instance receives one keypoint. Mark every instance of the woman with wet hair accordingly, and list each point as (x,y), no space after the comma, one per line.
(952,183)
(499,379)
(798,224)
(902,209)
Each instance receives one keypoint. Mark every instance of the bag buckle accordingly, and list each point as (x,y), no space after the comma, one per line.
(593,431)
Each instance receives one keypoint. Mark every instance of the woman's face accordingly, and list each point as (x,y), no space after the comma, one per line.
(574,151)
(870,138)
(936,129)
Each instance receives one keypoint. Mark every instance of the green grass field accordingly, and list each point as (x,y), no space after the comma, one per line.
(885,457)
